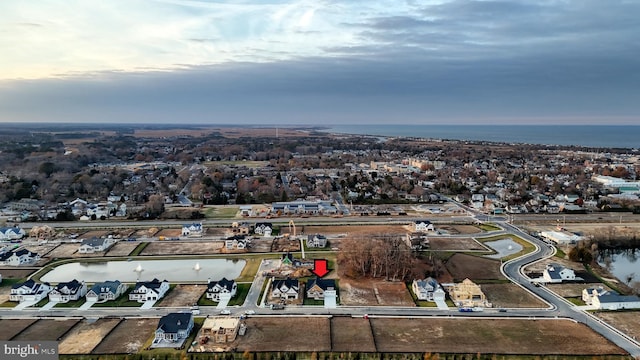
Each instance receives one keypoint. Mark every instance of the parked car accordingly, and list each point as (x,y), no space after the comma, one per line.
(225,312)
(250,312)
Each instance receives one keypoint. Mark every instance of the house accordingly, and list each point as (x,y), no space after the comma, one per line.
(264,229)
(11,233)
(242,228)
(316,241)
(68,291)
(29,291)
(417,241)
(609,299)
(220,329)
(468,294)
(93,245)
(316,287)
(285,289)
(555,273)
(423,226)
(148,290)
(173,329)
(224,286)
(428,289)
(192,230)
(105,291)
(237,242)
(19,257)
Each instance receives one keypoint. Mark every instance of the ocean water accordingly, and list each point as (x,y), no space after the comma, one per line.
(591,136)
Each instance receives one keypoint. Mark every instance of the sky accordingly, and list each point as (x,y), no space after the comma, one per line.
(317,62)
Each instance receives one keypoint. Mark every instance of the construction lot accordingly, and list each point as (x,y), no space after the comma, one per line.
(374,293)
(182,247)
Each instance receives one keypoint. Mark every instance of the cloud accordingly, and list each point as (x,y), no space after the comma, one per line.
(323,62)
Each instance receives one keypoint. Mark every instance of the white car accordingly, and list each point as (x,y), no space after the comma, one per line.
(250,312)
(225,312)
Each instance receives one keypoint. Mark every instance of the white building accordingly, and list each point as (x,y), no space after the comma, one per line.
(609,300)
(555,273)
(149,290)
(29,291)
(68,291)
(428,289)
(192,230)
(20,257)
(93,245)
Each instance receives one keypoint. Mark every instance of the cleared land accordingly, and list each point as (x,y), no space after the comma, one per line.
(128,337)
(353,230)
(489,336)
(182,248)
(122,248)
(351,334)
(46,330)
(454,244)
(183,295)
(462,266)
(294,334)
(572,290)
(86,335)
(625,321)
(11,327)
(374,293)
(510,296)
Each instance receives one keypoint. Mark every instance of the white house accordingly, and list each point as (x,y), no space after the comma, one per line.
(423,226)
(555,273)
(285,288)
(316,241)
(29,291)
(68,291)
(609,300)
(428,289)
(264,229)
(94,245)
(149,290)
(11,233)
(105,291)
(173,328)
(224,286)
(192,230)
(20,257)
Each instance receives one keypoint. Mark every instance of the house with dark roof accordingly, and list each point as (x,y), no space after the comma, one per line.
(192,230)
(609,299)
(428,289)
(264,229)
(173,329)
(555,273)
(286,259)
(149,290)
(93,245)
(68,291)
(105,291)
(316,241)
(29,291)
(423,226)
(11,233)
(224,286)
(19,257)
(287,289)
(316,287)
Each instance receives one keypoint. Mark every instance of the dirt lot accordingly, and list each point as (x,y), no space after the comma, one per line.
(182,248)
(502,337)
(625,321)
(463,266)
(94,234)
(351,334)
(183,295)
(86,335)
(354,230)
(169,232)
(572,290)
(46,330)
(285,245)
(11,327)
(13,273)
(447,243)
(128,337)
(374,292)
(294,334)
(510,296)
(122,248)
(64,251)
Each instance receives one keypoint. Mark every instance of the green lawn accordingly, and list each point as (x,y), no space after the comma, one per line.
(241,295)
(219,212)
(72,304)
(122,301)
